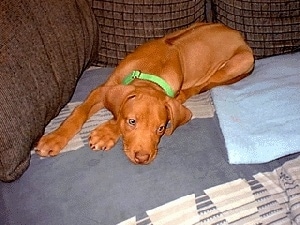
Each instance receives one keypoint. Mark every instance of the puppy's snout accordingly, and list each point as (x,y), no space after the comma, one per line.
(141,158)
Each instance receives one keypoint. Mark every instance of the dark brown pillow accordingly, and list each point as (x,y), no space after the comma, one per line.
(126,24)
(270,27)
(44,47)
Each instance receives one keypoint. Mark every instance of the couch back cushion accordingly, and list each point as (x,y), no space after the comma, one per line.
(270,27)
(126,24)
(45,46)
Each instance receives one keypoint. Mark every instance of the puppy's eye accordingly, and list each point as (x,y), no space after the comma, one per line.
(132,122)
(161,129)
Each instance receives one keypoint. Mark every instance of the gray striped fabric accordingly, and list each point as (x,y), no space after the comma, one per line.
(270,198)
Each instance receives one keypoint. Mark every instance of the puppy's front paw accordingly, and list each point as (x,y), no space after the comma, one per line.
(50,145)
(101,140)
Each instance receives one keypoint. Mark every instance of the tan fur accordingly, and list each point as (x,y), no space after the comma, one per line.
(191,61)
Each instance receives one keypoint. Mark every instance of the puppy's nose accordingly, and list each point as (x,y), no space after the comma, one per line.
(141,158)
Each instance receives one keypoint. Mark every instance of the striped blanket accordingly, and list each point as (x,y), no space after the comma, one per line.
(270,198)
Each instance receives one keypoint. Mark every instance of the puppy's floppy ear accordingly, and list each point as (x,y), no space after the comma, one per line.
(178,115)
(116,96)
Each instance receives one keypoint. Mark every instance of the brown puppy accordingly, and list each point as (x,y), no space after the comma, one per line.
(147,89)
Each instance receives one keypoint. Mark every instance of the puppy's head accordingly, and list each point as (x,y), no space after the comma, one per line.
(143,116)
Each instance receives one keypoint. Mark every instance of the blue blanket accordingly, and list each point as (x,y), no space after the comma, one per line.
(260,115)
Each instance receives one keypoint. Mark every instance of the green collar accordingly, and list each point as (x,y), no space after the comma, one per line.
(136,74)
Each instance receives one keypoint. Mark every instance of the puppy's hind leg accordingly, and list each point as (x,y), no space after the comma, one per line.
(237,67)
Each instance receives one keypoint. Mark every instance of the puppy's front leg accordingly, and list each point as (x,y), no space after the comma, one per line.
(105,136)
(52,143)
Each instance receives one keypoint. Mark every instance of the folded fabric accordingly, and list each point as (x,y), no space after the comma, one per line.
(260,115)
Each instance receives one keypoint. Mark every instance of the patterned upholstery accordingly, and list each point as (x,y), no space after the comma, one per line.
(270,27)
(127,24)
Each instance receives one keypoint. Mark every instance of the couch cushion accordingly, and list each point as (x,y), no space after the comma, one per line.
(45,46)
(126,24)
(270,27)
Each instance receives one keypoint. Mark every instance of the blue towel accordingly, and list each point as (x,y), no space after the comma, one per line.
(260,115)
